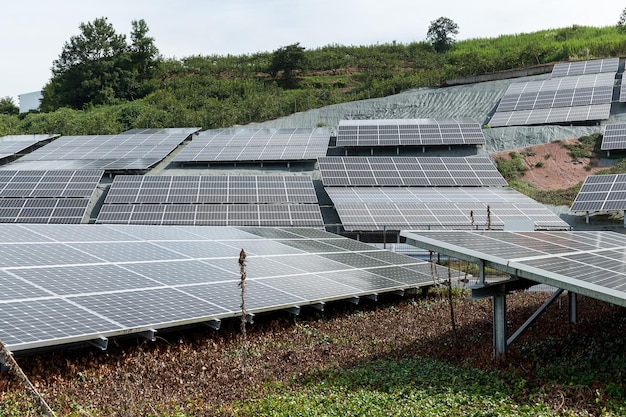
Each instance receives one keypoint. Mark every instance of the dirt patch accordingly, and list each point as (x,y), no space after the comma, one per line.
(551,167)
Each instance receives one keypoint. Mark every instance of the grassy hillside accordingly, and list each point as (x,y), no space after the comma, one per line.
(220,91)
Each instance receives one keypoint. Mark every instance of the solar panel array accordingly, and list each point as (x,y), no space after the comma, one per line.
(40,184)
(409,171)
(212,200)
(46,196)
(107,152)
(294,215)
(584,90)
(601,193)
(237,144)
(198,189)
(556,100)
(372,209)
(587,263)
(552,115)
(89,282)
(404,132)
(614,137)
(585,67)
(12,144)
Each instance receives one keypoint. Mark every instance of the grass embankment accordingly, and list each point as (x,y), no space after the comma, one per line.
(221,91)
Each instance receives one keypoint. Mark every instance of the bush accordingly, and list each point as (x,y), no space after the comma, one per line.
(511,169)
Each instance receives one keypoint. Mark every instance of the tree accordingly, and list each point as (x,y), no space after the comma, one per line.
(288,59)
(99,67)
(7,106)
(621,23)
(144,53)
(441,33)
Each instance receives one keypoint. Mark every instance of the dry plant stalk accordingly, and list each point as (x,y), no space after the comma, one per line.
(433,271)
(244,314)
(488,217)
(10,362)
(451,301)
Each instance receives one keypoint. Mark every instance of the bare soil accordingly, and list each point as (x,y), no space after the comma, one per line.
(558,169)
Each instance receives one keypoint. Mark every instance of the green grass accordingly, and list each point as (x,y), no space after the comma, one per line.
(413,387)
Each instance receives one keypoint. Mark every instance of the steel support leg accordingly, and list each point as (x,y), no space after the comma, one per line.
(572,299)
(499,324)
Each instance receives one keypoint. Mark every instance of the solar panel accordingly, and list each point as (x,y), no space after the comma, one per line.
(46,196)
(587,263)
(108,152)
(50,184)
(293,215)
(409,171)
(98,281)
(12,144)
(614,137)
(582,90)
(43,210)
(601,193)
(372,209)
(585,67)
(237,144)
(203,189)
(408,132)
(556,100)
(552,115)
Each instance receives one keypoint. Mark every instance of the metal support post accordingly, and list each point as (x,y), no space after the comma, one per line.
(572,300)
(499,325)
(481,273)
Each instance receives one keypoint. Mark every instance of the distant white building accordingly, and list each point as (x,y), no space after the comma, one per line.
(30,101)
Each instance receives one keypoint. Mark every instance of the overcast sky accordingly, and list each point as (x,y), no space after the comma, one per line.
(32,32)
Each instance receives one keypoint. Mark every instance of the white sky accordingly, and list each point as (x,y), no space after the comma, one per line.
(32,32)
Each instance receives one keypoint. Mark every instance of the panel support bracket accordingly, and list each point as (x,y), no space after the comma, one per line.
(295,310)
(533,317)
(101,343)
(372,297)
(148,335)
(319,306)
(353,300)
(214,324)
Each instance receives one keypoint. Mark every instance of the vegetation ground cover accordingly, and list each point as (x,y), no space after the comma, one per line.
(398,356)
(222,91)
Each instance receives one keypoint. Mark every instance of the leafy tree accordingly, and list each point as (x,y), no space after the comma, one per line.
(144,53)
(98,67)
(441,33)
(288,59)
(7,106)
(621,23)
